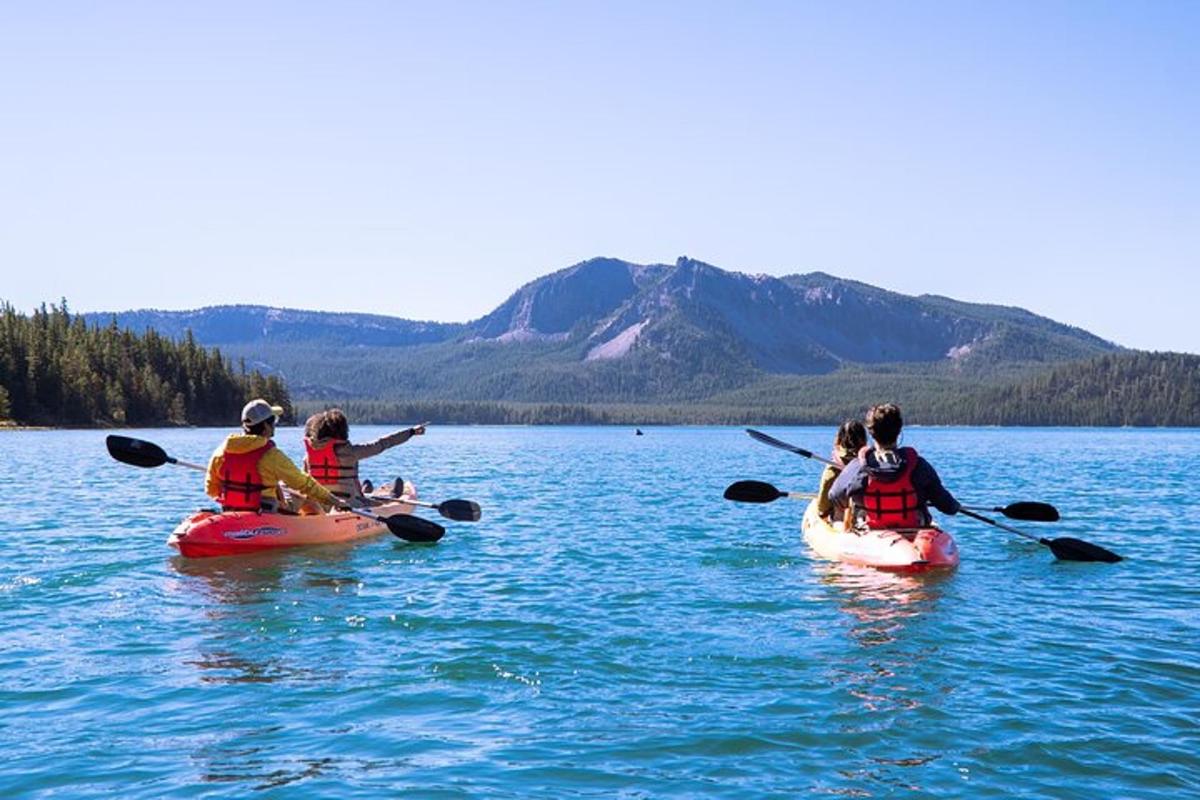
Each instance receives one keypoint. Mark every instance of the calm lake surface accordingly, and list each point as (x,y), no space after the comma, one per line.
(611,628)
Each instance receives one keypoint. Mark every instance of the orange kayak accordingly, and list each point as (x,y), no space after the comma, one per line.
(908,550)
(208,533)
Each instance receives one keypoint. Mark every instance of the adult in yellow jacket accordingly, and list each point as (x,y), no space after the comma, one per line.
(246,469)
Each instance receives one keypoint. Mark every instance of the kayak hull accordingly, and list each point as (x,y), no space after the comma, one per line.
(208,534)
(915,550)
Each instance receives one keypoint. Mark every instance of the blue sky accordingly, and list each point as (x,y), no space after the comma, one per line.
(425,159)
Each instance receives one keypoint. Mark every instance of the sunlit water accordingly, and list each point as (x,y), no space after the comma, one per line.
(612,628)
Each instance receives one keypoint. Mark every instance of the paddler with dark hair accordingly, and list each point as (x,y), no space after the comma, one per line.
(890,486)
(245,471)
(849,441)
(332,459)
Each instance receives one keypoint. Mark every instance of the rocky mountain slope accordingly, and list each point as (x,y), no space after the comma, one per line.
(606,330)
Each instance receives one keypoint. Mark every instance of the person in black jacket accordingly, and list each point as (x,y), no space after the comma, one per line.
(890,486)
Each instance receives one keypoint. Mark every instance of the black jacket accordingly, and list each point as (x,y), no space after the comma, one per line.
(853,480)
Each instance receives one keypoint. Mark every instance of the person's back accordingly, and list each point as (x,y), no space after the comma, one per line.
(891,486)
(851,437)
(332,459)
(240,483)
(889,498)
(246,469)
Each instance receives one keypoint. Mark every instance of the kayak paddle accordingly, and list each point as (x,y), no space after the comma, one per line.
(759,492)
(140,453)
(1025,510)
(762,492)
(791,448)
(1064,548)
(457,510)
(406,526)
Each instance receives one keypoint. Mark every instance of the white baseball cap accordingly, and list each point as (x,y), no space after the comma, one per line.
(259,410)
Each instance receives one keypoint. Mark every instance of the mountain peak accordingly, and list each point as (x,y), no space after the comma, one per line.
(687,328)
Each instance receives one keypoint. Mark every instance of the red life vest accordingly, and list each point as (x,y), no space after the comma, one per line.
(894,504)
(322,463)
(241,482)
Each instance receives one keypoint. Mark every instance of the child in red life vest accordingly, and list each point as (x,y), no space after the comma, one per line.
(333,461)
(890,486)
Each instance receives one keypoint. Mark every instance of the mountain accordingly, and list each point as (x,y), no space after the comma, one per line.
(217,326)
(607,330)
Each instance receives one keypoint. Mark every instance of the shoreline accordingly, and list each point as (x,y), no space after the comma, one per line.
(18,428)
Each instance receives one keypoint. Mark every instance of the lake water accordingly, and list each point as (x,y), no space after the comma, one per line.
(611,628)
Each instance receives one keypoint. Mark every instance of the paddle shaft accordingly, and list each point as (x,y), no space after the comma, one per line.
(1001,525)
(791,448)
(366,514)
(414,502)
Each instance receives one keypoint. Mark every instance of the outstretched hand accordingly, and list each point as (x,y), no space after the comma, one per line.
(418,430)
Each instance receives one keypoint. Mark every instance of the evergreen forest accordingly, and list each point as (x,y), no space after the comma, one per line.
(57,369)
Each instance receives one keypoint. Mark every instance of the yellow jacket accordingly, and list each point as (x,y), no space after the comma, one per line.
(825,506)
(274,467)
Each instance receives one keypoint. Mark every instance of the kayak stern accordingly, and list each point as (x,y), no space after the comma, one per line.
(908,551)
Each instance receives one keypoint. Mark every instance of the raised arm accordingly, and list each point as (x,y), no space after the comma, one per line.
(369,449)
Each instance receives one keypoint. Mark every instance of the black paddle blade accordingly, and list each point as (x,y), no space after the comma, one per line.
(460,510)
(752,492)
(413,529)
(137,452)
(1030,512)
(1068,549)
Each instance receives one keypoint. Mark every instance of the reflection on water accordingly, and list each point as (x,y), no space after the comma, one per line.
(887,673)
(248,610)
(227,667)
(882,604)
(238,600)
(259,764)
(251,579)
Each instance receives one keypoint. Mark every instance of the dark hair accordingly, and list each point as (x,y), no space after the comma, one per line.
(884,422)
(851,437)
(258,428)
(333,425)
(312,425)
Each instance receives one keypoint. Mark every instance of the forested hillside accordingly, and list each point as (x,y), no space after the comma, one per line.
(1129,388)
(56,369)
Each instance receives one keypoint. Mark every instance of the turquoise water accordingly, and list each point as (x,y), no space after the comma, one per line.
(612,628)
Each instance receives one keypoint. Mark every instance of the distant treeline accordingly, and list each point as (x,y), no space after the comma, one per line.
(55,369)
(1128,388)
(1135,388)
(372,412)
